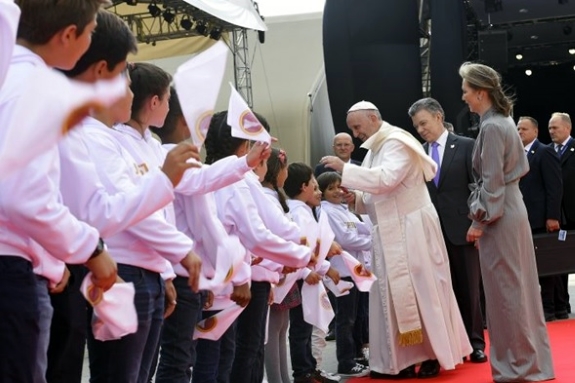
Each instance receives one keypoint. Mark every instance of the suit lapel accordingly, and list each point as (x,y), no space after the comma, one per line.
(568,151)
(532,150)
(448,154)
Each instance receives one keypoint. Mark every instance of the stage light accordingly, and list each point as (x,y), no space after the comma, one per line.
(519,56)
(201,27)
(567,29)
(169,16)
(572,51)
(155,11)
(186,23)
(216,33)
(528,72)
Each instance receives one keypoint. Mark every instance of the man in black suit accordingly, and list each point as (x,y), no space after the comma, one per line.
(564,146)
(449,192)
(342,148)
(542,190)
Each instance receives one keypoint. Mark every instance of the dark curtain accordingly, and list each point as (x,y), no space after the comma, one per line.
(371,52)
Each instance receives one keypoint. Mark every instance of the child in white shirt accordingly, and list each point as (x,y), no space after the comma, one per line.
(353,237)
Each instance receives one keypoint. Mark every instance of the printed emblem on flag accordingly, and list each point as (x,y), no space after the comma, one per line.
(229,275)
(250,124)
(317,248)
(324,301)
(361,271)
(203,124)
(94,295)
(207,324)
(303,241)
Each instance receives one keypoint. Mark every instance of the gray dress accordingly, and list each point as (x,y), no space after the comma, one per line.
(519,349)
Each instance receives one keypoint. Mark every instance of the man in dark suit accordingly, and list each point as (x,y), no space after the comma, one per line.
(564,146)
(342,148)
(449,192)
(542,190)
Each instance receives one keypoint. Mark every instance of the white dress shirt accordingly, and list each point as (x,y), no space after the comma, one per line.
(239,215)
(32,215)
(152,241)
(303,217)
(442,141)
(352,234)
(276,221)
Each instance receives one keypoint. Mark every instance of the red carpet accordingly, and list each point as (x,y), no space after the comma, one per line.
(562,336)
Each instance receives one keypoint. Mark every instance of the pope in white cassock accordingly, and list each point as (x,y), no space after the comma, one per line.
(413,314)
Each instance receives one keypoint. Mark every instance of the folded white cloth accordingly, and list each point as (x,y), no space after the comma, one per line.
(114,310)
(362,277)
(317,309)
(339,290)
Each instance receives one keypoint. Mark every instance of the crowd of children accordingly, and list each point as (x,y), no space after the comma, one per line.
(113,201)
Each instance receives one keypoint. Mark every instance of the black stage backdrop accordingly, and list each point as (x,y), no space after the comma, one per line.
(371,52)
(549,89)
(448,52)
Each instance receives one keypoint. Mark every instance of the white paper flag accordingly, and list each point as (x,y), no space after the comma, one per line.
(198,83)
(326,237)
(114,310)
(9,16)
(339,290)
(362,277)
(243,121)
(49,107)
(317,309)
(285,284)
(214,327)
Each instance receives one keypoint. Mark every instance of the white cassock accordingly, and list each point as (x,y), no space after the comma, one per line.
(409,257)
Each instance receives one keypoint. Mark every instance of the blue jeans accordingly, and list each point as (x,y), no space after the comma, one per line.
(361,327)
(300,331)
(19,320)
(250,337)
(128,360)
(68,331)
(46,312)
(214,358)
(177,348)
(344,324)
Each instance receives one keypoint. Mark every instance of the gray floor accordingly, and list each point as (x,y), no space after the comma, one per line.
(329,359)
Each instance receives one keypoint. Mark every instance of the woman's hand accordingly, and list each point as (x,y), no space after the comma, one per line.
(473,235)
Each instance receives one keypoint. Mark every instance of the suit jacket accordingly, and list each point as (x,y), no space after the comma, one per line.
(320,168)
(568,173)
(542,186)
(450,196)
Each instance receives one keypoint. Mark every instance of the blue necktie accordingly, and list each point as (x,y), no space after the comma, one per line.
(435,157)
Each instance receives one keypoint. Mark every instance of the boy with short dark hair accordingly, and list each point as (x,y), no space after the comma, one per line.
(34,221)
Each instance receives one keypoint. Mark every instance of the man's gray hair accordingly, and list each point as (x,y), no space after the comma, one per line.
(429,104)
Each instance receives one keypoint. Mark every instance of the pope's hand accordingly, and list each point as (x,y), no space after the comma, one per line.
(333,162)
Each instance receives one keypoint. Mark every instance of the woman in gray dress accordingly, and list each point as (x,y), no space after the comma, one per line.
(519,349)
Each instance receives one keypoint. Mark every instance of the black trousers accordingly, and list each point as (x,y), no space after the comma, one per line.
(68,331)
(19,320)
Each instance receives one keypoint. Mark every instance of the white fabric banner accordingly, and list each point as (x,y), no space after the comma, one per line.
(114,310)
(198,82)
(339,290)
(317,309)
(50,106)
(326,237)
(362,277)
(9,16)
(243,121)
(238,12)
(214,327)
